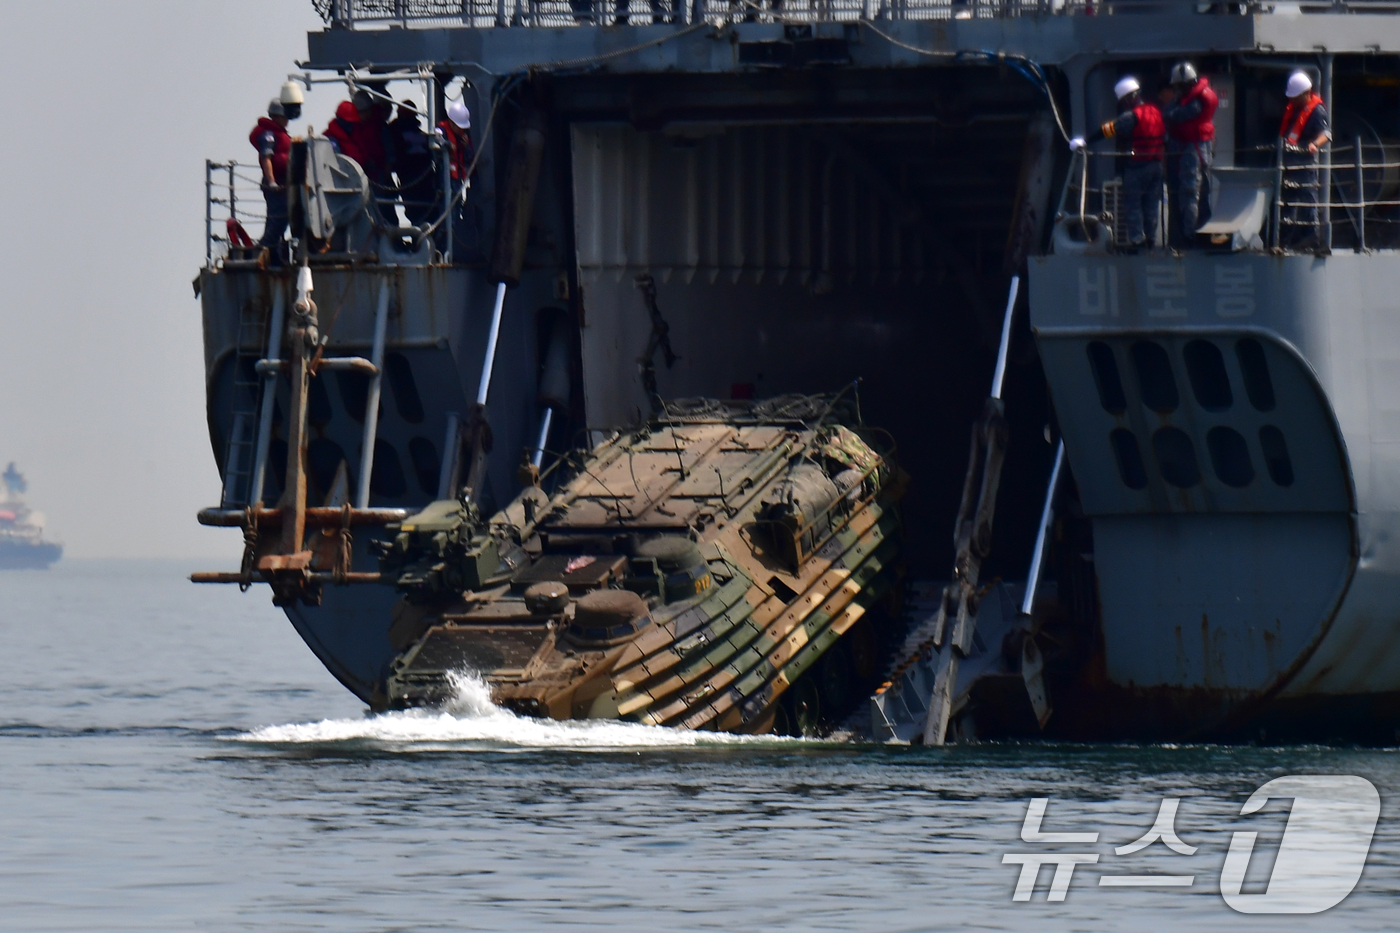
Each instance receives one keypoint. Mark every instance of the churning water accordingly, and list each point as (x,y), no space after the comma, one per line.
(173,758)
(471,722)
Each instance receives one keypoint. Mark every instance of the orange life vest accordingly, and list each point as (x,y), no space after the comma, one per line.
(1295,117)
(1149,135)
(1148,139)
(1201,127)
(460,151)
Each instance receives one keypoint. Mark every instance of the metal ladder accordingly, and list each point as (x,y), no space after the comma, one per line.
(247,389)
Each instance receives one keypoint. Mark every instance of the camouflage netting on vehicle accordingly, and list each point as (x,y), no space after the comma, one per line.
(793,407)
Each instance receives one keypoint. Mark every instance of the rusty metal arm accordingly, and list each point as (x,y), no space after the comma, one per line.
(267,576)
(315,517)
(290,574)
(328,363)
(287,564)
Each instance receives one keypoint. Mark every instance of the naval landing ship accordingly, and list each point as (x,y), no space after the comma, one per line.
(446,439)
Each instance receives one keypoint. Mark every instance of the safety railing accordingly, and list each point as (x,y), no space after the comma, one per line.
(1347,196)
(485,14)
(1350,196)
(234,210)
(409,210)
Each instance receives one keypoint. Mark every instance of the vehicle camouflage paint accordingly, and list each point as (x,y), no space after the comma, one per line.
(701,571)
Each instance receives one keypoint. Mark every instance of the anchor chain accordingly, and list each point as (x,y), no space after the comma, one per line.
(344,554)
(250,549)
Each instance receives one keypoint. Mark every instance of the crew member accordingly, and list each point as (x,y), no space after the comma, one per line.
(292,99)
(274,145)
(1139,125)
(413,163)
(460,152)
(341,131)
(371,135)
(456,135)
(1304,130)
(1189,111)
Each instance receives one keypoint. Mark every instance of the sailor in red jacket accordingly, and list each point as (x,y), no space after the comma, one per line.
(1305,130)
(1189,109)
(456,137)
(455,133)
(274,145)
(1142,136)
(342,129)
(372,135)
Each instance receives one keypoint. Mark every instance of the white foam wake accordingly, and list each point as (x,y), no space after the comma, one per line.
(471,720)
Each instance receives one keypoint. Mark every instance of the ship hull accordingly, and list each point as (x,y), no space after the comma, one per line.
(1254,593)
(435,341)
(711,221)
(28,556)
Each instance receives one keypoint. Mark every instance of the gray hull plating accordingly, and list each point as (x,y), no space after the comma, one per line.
(1270,572)
(436,340)
(16,556)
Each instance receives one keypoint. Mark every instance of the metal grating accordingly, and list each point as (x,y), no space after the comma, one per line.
(484,14)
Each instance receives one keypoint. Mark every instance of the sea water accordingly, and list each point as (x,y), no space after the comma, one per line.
(172,757)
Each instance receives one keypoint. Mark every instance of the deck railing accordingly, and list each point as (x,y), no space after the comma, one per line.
(234,210)
(486,14)
(1349,198)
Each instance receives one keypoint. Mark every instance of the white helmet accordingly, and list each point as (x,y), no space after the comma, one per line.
(1126,86)
(1184,73)
(1298,83)
(458,113)
(291,93)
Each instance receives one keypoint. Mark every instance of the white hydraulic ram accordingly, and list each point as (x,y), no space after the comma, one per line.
(918,699)
(972,536)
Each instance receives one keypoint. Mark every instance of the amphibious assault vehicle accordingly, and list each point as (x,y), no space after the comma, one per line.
(691,572)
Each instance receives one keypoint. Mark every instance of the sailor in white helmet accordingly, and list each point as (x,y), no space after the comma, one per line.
(1304,131)
(455,132)
(274,145)
(1141,134)
(1188,105)
(292,99)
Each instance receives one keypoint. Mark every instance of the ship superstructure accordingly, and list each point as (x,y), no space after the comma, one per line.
(22,544)
(742,201)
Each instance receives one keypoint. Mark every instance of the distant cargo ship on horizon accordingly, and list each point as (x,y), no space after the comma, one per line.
(22,544)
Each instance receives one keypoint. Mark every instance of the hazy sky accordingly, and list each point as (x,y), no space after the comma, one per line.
(110,111)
